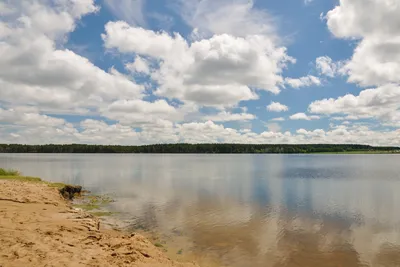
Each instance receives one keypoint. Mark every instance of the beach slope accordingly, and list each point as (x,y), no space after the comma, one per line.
(38,227)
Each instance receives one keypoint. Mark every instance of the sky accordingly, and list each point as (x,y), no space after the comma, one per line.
(134,72)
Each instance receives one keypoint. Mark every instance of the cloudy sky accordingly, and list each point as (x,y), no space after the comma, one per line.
(167,71)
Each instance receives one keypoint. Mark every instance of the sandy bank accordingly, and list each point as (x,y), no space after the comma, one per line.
(38,227)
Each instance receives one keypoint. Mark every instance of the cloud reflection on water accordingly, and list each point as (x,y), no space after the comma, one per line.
(251,210)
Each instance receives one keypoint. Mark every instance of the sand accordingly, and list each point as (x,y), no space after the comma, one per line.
(38,227)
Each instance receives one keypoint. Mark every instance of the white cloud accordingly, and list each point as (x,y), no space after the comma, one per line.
(303,116)
(130,11)
(227,116)
(204,132)
(303,81)
(273,127)
(34,72)
(51,20)
(232,58)
(211,95)
(343,134)
(94,131)
(349,117)
(278,119)
(130,39)
(28,117)
(215,71)
(277,107)
(352,18)
(139,65)
(234,17)
(138,112)
(140,106)
(376,59)
(314,133)
(326,66)
(337,118)
(252,61)
(381,103)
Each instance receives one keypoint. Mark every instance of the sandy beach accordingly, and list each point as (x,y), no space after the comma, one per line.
(38,227)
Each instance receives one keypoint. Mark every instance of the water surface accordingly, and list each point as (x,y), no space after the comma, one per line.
(247,210)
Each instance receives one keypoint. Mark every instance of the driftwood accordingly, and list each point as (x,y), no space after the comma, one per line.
(69,191)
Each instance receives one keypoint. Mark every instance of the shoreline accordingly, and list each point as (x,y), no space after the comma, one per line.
(198,148)
(39,227)
(255,153)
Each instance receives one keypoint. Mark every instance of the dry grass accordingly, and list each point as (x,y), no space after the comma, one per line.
(16,176)
(4,172)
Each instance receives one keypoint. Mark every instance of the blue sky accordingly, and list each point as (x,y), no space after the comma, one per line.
(157,71)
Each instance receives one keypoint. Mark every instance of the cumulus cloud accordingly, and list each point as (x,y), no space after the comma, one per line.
(37,17)
(215,71)
(137,112)
(120,35)
(210,95)
(99,132)
(34,72)
(278,119)
(376,59)
(303,81)
(133,106)
(277,107)
(26,116)
(314,133)
(326,66)
(273,127)
(380,103)
(227,116)
(235,53)
(351,18)
(234,17)
(139,65)
(303,116)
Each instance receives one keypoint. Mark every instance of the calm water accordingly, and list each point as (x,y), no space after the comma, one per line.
(248,210)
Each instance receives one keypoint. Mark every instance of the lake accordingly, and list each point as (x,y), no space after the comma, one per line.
(246,210)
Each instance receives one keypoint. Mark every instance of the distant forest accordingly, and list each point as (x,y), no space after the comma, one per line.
(194,148)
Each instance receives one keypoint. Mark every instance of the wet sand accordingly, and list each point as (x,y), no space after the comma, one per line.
(38,227)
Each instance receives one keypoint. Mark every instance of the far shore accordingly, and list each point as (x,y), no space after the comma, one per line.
(360,152)
(40,227)
(217,148)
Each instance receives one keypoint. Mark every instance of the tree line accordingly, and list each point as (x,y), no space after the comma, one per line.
(194,148)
